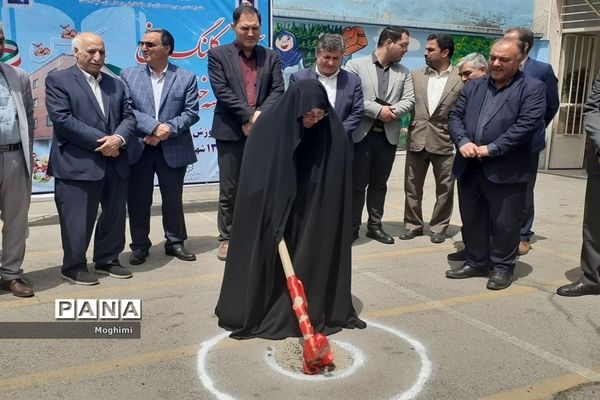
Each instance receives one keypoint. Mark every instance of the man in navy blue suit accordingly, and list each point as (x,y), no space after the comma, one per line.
(344,89)
(543,72)
(93,123)
(165,105)
(492,126)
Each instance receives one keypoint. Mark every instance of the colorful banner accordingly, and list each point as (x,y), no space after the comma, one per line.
(39,34)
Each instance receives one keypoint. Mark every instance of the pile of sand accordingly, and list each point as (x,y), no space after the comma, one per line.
(288,355)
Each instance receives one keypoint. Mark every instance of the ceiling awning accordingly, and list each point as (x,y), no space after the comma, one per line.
(580,16)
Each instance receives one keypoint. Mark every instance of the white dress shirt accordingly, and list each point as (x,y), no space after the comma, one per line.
(435,87)
(330,84)
(158,82)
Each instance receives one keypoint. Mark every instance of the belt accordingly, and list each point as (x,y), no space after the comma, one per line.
(10,147)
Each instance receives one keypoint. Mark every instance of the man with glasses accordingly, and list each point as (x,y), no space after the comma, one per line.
(246,79)
(388,95)
(344,90)
(16,141)
(165,105)
(92,121)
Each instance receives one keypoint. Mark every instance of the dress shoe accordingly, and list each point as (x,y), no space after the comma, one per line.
(411,234)
(17,286)
(466,271)
(438,237)
(523,248)
(80,277)
(138,256)
(379,235)
(222,250)
(180,252)
(499,280)
(460,255)
(114,270)
(578,288)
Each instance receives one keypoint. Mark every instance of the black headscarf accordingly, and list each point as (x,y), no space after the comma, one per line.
(295,183)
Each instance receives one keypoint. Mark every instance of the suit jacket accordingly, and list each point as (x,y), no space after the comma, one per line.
(429,128)
(348,98)
(510,127)
(400,95)
(591,122)
(79,122)
(20,90)
(543,71)
(178,108)
(226,79)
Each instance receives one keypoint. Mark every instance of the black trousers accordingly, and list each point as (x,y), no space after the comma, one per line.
(230,154)
(373,160)
(492,215)
(77,204)
(139,199)
(590,250)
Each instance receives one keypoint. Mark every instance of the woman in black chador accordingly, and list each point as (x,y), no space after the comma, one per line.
(295,183)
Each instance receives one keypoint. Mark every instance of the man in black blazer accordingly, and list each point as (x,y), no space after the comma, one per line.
(246,79)
(343,88)
(492,126)
(92,124)
(589,283)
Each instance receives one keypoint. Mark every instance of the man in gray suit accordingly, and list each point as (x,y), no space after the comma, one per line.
(437,87)
(246,79)
(388,95)
(165,105)
(589,283)
(16,141)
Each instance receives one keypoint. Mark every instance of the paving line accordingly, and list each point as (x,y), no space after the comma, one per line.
(540,390)
(507,337)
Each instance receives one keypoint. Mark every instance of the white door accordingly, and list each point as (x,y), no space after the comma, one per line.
(580,60)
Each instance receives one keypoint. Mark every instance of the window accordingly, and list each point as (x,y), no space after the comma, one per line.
(35,123)
(36,83)
(49,121)
(35,102)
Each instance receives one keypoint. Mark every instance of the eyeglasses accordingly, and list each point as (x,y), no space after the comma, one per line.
(2,40)
(147,44)
(315,115)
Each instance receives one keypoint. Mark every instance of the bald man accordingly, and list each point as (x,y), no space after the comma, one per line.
(92,123)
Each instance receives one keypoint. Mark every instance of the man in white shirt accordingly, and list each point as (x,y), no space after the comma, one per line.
(343,89)
(436,87)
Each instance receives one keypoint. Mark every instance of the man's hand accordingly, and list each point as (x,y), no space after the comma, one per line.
(386,114)
(468,150)
(109,145)
(162,132)
(247,127)
(151,140)
(255,116)
(482,151)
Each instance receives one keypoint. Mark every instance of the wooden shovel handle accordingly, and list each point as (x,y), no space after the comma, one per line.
(288,268)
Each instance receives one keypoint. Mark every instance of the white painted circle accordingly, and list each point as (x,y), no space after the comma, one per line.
(358,356)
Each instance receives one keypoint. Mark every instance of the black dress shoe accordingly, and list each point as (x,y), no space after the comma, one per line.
(379,235)
(578,288)
(411,234)
(438,237)
(460,255)
(466,271)
(138,256)
(180,252)
(499,280)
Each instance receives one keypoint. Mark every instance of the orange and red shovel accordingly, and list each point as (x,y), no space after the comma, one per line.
(317,352)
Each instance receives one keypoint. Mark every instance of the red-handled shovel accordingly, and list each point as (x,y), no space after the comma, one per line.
(317,353)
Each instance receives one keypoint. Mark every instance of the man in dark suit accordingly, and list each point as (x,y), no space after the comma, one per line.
(246,79)
(388,95)
(492,126)
(92,122)
(436,90)
(16,143)
(165,105)
(589,283)
(543,72)
(343,88)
